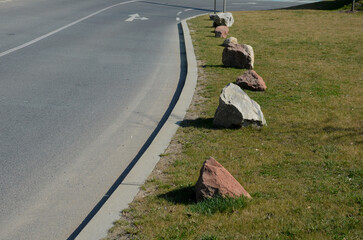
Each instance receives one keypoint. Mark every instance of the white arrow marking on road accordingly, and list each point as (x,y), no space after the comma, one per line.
(135,16)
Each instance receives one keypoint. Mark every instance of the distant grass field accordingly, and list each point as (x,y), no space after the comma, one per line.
(303,170)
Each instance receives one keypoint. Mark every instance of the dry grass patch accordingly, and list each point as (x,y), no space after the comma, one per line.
(304,170)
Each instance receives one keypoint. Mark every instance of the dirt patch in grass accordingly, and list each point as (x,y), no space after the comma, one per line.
(304,170)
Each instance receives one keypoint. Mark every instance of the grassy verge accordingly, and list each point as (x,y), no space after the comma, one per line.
(304,170)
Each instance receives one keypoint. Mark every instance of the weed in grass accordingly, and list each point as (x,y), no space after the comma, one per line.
(208,237)
(264,195)
(179,163)
(219,204)
(163,155)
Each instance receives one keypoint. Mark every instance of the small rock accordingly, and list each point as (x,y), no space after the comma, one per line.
(223,19)
(230,40)
(252,81)
(221,31)
(214,180)
(238,56)
(237,109)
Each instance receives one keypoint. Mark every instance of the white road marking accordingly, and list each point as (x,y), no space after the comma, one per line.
(258,6)
(179,13)
(252,3)
(135,16)
(62,28)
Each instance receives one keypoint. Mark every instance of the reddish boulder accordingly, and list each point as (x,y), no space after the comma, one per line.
(252,81)
(238,56)
(215,180)
(221,31)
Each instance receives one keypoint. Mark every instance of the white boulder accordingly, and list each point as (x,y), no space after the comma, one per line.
(223,19)
(237,109)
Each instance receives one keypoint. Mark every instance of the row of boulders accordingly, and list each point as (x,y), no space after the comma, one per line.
(234,54)
(222,22)
(235,109)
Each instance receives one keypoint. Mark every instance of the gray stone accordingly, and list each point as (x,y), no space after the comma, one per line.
(238,56)
(237,109)
(230,40)
(223,19)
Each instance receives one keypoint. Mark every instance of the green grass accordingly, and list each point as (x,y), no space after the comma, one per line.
(303,171)
(331,5)
(218,204)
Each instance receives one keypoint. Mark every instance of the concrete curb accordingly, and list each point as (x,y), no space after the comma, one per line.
(124,194)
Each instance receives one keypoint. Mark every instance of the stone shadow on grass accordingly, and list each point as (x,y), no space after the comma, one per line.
(214,66)
(183,195)
(353,133)
(197,123)
(207,123)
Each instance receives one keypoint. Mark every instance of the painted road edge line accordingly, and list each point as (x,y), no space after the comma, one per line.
(99,225)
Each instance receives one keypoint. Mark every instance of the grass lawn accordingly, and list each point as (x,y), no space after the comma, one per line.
(303,170)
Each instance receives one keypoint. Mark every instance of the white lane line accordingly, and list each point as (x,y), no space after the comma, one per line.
(62,28)
(179,13)
(187,10)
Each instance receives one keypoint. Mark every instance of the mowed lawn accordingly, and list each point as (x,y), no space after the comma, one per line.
(303,170)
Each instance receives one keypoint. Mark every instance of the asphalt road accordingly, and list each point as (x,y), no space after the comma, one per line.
(83,84)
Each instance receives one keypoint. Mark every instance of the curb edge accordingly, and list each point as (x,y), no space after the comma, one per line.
(99,225)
